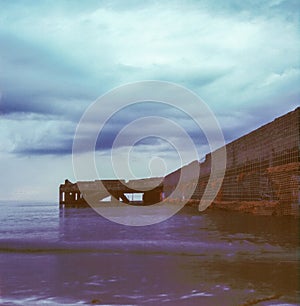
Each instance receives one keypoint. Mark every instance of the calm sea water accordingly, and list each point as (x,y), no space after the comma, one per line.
(50,256)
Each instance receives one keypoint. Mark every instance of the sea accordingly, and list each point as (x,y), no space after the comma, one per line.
(74,256)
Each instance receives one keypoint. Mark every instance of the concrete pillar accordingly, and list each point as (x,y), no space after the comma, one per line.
(61,197)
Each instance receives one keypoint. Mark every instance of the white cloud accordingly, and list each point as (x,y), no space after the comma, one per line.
(27,133)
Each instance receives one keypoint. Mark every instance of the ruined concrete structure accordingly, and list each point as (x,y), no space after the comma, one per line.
(79,193)
(262,173)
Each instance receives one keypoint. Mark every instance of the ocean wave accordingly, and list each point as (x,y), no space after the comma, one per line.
(33,246)
(167,247)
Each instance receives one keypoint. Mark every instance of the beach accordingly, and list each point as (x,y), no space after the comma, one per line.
(72,256)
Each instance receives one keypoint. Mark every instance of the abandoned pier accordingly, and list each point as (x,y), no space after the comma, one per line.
(262,176)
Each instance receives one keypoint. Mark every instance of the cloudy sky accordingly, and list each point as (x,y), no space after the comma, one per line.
(57,57)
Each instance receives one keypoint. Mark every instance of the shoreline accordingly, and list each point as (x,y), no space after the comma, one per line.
(256,208)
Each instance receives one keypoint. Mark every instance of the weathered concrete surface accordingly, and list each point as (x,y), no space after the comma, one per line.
(263,208)
(262,174)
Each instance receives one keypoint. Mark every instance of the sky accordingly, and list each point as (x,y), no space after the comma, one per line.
(57,57)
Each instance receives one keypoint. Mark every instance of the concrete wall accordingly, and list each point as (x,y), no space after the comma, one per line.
(261,166)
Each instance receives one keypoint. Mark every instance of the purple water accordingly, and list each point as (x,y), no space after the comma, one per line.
(54,257)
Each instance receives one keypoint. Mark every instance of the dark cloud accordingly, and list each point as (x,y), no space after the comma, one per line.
(63,150)
(44,103)
(59,141)
(56,141)
(144,110)
(38,79)
(55,59)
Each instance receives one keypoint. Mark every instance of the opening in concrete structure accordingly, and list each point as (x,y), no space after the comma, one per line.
(134,197)
(107,199)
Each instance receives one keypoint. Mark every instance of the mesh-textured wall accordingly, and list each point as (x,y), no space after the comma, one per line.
(261,166)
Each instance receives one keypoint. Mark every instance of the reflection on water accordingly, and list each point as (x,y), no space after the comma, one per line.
(215,258)
(283,231)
